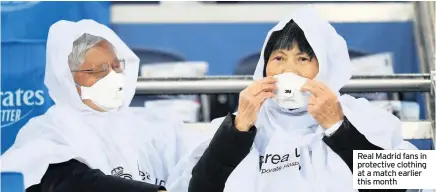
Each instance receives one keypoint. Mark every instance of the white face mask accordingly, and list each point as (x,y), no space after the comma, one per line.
(107,93)
(288,94)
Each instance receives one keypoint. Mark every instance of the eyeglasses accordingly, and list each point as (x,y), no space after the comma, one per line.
(117,65)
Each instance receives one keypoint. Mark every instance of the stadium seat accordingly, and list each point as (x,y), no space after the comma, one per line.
(225,103)
(155,56)
(247,65)
(147,57)
(150,56)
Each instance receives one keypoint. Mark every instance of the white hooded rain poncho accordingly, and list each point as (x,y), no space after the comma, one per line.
(281,133)
(129,143)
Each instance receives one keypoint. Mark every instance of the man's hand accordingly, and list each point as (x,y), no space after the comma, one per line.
(323,104)
(250,101)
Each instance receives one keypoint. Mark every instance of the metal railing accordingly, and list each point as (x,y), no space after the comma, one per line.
(358,84)
(234,84)
(425,34)
(433,80)
(424,28)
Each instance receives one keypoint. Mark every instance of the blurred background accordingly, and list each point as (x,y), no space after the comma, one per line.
(196,39)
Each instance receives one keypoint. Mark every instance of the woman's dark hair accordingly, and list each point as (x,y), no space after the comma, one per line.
(285,39)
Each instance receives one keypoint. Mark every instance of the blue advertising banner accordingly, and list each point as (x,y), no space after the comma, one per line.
(32,19)
(23,93)
(25,27)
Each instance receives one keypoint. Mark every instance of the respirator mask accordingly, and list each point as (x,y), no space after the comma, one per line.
(288,94)
(107,93)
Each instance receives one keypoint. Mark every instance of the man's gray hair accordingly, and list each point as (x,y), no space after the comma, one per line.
(80,46)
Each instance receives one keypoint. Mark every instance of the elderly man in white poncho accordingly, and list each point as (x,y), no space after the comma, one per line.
(293,131)
(91,140)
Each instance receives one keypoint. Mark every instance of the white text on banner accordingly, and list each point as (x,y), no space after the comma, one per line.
(394,169)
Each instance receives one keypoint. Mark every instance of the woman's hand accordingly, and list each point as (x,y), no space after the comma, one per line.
(250,101)
(323,104)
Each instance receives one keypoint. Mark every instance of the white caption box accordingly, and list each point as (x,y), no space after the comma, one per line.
(394,169)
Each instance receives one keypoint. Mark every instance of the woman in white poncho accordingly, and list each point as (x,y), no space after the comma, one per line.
(293,131)
(91,140)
